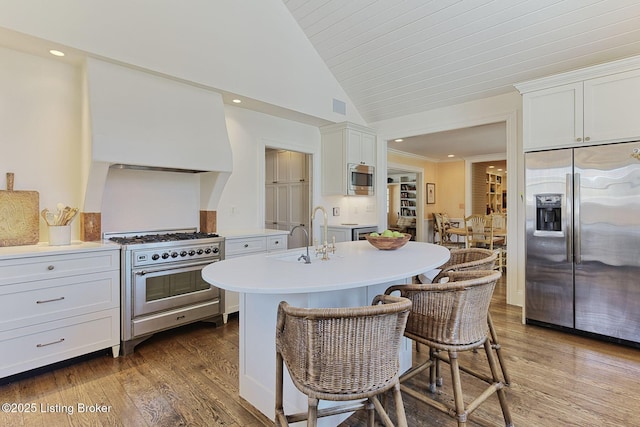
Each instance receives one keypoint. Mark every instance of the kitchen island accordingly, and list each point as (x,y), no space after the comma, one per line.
(351,277)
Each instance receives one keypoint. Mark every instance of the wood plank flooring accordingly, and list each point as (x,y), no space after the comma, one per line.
(189,376)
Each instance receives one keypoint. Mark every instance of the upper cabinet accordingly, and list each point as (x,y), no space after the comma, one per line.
(283,166)
(344,144)
(585,107)
(361,147)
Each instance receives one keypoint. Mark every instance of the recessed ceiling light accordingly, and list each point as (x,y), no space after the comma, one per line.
(491,167)
(499,170)
(236,101)
(56,52)
(451,155)
(399,140)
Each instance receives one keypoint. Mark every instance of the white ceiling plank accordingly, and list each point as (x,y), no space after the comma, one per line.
(517,55)
(470,43)
(399,57)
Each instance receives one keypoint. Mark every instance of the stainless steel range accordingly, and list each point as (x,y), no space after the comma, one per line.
(161,284)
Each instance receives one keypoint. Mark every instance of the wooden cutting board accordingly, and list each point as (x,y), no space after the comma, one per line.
(19,219)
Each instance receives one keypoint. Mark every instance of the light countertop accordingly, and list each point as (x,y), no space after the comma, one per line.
(355,264)
(250,232)
(43,248)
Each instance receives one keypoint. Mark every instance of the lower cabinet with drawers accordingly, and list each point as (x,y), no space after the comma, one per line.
(243,243)
(57,304)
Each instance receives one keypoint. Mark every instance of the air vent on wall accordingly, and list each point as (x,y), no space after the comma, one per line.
(339,107)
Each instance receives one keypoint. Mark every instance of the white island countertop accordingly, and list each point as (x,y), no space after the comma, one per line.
(355,264)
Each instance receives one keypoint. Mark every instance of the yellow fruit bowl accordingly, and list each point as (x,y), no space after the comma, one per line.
(388,243)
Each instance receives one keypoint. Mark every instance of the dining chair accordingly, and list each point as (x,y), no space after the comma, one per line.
(478,232)
(341,354)
(442,225)
(499,228)
(452,317)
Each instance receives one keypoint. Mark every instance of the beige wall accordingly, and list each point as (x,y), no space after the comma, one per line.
(450,194)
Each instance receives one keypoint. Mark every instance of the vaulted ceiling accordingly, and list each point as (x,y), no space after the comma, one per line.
(398,57)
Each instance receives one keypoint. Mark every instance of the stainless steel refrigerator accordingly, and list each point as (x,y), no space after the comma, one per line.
(583,239)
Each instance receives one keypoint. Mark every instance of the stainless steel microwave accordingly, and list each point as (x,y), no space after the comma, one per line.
(360,180)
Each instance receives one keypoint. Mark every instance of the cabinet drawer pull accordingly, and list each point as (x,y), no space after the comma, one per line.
(51,267)
(277,242)
(587,139)
(246,245)
(51,343)
(579,139)
(49,300)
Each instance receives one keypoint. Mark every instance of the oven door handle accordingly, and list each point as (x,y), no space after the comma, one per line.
(164,268)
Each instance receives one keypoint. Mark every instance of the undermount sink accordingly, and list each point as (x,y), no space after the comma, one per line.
(288,256)
(293,255)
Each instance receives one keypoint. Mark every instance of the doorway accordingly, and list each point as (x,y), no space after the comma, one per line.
(489,187)
(287,192)
(405,199)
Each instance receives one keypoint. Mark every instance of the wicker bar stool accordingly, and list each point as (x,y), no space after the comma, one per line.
(341,354)
(465,260)
(452,317)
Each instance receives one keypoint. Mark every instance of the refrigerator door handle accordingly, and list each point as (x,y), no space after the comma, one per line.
(568,208)
(576,218)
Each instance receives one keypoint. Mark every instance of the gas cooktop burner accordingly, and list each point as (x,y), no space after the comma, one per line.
(157,238)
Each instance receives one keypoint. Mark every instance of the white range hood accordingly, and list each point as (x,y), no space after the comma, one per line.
(139,120)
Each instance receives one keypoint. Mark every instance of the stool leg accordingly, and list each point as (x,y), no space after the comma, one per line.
(502,397)
(461,415)
(400,414)
(312,420)
(434,369)
(496,346)
(280,417)
(371,413)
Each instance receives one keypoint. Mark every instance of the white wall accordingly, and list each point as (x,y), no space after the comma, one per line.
(40,129)
(40,139)
(242,201)
(253,49)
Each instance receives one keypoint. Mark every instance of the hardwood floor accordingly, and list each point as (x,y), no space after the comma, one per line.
(188,376)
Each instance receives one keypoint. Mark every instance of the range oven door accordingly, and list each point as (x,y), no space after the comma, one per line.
(160,289)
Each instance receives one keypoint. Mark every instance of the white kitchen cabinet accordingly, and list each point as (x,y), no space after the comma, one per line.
(242,243)
(58,304)
(282,166)
(286,189)
(341,234)
(591,106)
(361,147)
(270,166)
(342,144)
(552,117)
